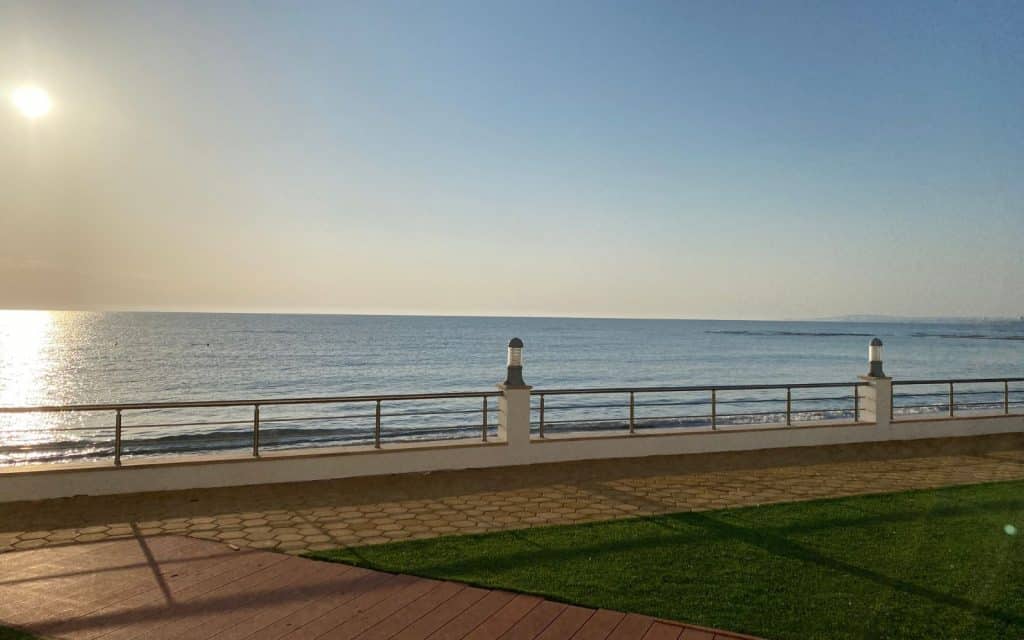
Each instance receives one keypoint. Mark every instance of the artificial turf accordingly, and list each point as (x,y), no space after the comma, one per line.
(943,563)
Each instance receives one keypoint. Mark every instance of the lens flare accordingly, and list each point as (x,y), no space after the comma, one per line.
(31,102)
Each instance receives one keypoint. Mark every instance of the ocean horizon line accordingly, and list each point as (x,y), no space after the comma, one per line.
(851,318)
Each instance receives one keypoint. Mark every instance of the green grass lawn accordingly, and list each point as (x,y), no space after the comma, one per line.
(922,564)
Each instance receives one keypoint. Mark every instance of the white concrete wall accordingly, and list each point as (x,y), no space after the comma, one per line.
(56,481)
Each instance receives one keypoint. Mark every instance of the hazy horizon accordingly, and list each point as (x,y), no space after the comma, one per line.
(659,160)
(849,319)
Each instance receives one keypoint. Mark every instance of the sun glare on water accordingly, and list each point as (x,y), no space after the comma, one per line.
(31,102)
(25,360)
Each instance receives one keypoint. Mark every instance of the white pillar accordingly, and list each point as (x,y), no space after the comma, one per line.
(875,398)
(876,401)
(514,405)
(514,416)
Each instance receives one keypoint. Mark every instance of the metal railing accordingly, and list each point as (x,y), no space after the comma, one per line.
(418,419)
(628,408)
(117,430)
(944,398)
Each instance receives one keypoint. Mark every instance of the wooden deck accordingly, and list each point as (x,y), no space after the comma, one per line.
(166,587)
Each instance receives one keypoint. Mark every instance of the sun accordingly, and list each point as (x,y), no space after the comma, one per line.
(31,102)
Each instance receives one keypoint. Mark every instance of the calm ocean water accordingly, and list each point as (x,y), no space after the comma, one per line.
(78,357)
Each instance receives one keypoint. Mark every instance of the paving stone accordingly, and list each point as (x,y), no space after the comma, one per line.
(297,516)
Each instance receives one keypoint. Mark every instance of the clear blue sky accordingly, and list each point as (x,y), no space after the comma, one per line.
(715,159)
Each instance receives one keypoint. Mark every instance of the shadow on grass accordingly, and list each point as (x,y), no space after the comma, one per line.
(692,529)
(784,547)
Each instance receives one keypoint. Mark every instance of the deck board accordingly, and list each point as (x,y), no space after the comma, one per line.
(178,588)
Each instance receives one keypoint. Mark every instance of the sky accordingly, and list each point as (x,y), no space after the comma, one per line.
(625,159)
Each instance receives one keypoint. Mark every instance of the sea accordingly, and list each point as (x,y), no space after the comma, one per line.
(74,358)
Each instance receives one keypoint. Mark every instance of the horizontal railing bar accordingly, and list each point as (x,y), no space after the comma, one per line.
(461,394)
(994,403)
(945,406)
(570,407)
(728,400)
(723,387)
(398,431)
(780,413)
(752,413)
(707,417)
(347,416)
(58,430)
(51,446)
(54,429)
(695,416)
(440,412)
(688,403)
(945,393)
(211,423)
(957,381)
(470,429)
(623,420)
(369,415)
(248,403)
(230,437)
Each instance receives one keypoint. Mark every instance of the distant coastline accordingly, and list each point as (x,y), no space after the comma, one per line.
(918,319)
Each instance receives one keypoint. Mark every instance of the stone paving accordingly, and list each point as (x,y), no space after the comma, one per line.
(299,517)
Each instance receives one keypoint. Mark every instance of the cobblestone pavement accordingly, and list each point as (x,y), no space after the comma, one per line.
(298,517)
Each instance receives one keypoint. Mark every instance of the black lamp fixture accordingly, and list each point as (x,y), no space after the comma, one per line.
(514,378)
(875,359)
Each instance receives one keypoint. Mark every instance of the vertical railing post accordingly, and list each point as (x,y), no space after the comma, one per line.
(117,439)
(714,409)
(951,405)
(376,428)
(1006,397)
(856,403)
(540,425)
(892,401)
(632,413)
(256,431)
(789,406)
(483,434)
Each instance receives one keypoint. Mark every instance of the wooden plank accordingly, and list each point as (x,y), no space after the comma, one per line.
(345,623)
(662,631)
(632,626)
(45,577)
(472,617)
(692,633)
(292,587)
(441,614)
(504,618)
(241,598)
(121,621)
(372,584)
(566,624)
(179,588)
(93,587)
(534,622)
(334,579)
(76,622)
(600,625)
(284,616)
(413,612)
